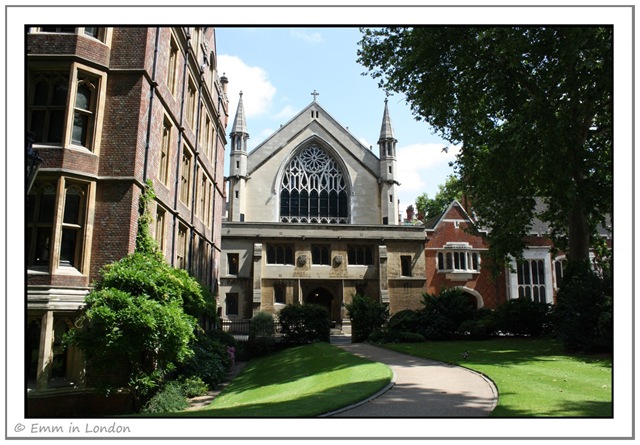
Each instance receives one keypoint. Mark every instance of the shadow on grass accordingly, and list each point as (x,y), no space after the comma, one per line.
(586,409)
(292,365)
(312,405)
(506,351)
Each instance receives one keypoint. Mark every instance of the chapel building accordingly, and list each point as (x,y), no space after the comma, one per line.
(313,218)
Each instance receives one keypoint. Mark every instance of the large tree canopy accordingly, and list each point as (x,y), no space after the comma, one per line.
(532,109)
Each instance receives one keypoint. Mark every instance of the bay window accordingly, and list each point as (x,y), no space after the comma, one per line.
(56,224)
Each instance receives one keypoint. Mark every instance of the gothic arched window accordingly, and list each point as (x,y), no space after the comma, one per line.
(313,189)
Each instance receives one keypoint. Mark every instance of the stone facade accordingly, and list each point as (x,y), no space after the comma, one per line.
(313,218)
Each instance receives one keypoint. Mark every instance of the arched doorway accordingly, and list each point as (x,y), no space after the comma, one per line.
(473,297)
(322,297)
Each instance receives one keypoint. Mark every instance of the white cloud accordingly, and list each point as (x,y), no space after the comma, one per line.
(421,168)
(311,37)
(253,81)
(286,113)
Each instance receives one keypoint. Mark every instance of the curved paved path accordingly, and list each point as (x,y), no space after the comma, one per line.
(422,388)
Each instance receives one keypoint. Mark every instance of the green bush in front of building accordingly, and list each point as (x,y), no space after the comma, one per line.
(261,334)
(367,316)
(301,324)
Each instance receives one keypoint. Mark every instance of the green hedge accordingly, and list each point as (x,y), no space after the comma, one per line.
(301,324)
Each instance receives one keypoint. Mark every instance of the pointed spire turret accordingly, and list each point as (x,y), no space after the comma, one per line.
(386,130)
(238,168)
(388,189)
(239,123)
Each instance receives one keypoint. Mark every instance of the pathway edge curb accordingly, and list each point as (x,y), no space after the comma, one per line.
(389,385)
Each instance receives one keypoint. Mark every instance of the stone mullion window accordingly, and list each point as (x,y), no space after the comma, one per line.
(458,261)
(313,189)
(280,254)
(40,219)
(48,100)
(73,226)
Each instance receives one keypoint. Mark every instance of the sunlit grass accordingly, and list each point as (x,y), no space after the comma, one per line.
(535,378)
(305,381)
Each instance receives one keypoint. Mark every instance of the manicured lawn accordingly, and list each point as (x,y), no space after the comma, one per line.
(305,381)
(535,378)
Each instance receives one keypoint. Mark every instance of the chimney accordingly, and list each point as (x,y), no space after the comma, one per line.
(410,213)
(224,81)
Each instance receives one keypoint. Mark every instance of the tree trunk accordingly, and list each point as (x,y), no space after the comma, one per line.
(579,234)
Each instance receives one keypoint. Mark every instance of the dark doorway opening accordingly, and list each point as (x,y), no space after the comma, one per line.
(322,297)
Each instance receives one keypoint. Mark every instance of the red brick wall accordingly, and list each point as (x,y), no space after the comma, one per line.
(82,46)
(492,289)
(115,224)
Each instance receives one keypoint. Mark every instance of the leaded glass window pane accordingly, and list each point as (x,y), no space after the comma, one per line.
(313,189)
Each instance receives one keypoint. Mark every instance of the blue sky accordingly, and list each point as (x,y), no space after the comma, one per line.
(277,69)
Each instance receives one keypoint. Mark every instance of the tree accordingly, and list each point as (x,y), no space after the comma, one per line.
(447,192)
(367,316)
(140,315)
(532,109)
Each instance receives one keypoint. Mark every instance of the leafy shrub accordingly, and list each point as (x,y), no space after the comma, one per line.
(300,324)
(523,317)
(394,336)
(407,320)
(442,315)
(210,361)
(482,326)
(222,337)
(583,315)
(193,386)
(261,334)
(169,399)
(367,316)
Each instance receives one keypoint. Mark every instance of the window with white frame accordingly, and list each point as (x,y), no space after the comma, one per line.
(559,267)
(531,279)
(466,261)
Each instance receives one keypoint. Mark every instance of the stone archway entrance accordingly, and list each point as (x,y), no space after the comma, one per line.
(322,297)
(473,297)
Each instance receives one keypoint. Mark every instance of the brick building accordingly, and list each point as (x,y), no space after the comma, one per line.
(109,109)
(455,258)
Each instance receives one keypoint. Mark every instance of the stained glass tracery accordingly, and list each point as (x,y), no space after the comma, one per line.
(313,189)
